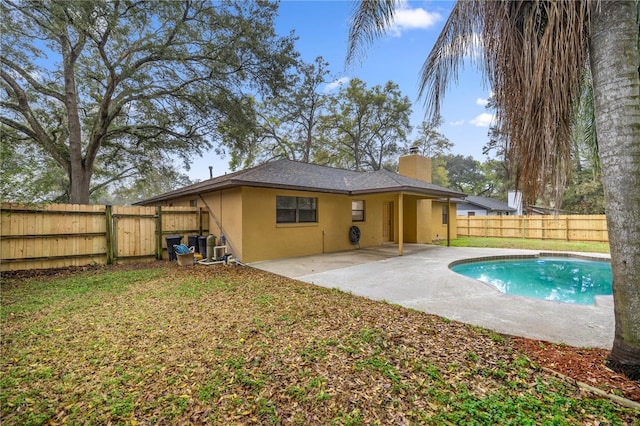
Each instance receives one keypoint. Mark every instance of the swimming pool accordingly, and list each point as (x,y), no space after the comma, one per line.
(563,279)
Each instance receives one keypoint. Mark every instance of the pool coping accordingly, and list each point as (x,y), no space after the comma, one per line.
(530,256)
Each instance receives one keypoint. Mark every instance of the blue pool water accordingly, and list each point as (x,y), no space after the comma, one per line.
(568,280)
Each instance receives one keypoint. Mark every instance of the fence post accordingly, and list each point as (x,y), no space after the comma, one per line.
(108,213)
(159,232)
(566,218)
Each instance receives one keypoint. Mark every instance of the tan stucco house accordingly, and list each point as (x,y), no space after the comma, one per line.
(286,208)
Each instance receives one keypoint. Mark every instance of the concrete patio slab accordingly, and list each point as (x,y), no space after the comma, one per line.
(421,280)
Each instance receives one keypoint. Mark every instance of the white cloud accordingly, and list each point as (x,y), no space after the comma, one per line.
(406,18)
(334,85)
(456,123)
(483,101)
(482,120)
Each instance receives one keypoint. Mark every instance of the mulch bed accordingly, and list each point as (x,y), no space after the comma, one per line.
(584,365)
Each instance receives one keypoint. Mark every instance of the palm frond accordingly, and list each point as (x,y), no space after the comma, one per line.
(369,20)
(533,53)
(459,41)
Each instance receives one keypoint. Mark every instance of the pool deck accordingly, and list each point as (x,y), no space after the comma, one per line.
(421,280)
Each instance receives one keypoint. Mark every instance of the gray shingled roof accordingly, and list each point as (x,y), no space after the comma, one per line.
(487,203)
(287,174)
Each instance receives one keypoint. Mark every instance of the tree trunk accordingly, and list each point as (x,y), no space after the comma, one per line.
(79,176)
(616,83)
(79,184)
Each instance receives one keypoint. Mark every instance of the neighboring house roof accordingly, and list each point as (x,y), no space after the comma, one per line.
(288,174)
(486,203)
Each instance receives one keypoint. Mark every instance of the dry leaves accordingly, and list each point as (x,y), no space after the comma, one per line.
(228,345)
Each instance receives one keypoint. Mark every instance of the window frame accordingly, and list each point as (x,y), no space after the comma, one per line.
(445,215)
(309,215)
(354,211)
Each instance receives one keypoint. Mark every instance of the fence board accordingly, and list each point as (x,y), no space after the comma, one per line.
(591,228)
(61,235)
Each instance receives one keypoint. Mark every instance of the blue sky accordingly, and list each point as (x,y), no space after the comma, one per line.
(322,28)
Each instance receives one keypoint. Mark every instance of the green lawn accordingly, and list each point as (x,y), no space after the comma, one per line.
(521,243)
(233,345)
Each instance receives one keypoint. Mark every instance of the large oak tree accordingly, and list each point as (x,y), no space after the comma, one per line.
(107,89)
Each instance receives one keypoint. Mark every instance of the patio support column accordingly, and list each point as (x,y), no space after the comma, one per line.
(448,221)
(400,224)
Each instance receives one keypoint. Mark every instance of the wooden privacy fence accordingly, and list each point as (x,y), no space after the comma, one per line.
(60,235)
(567,227)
